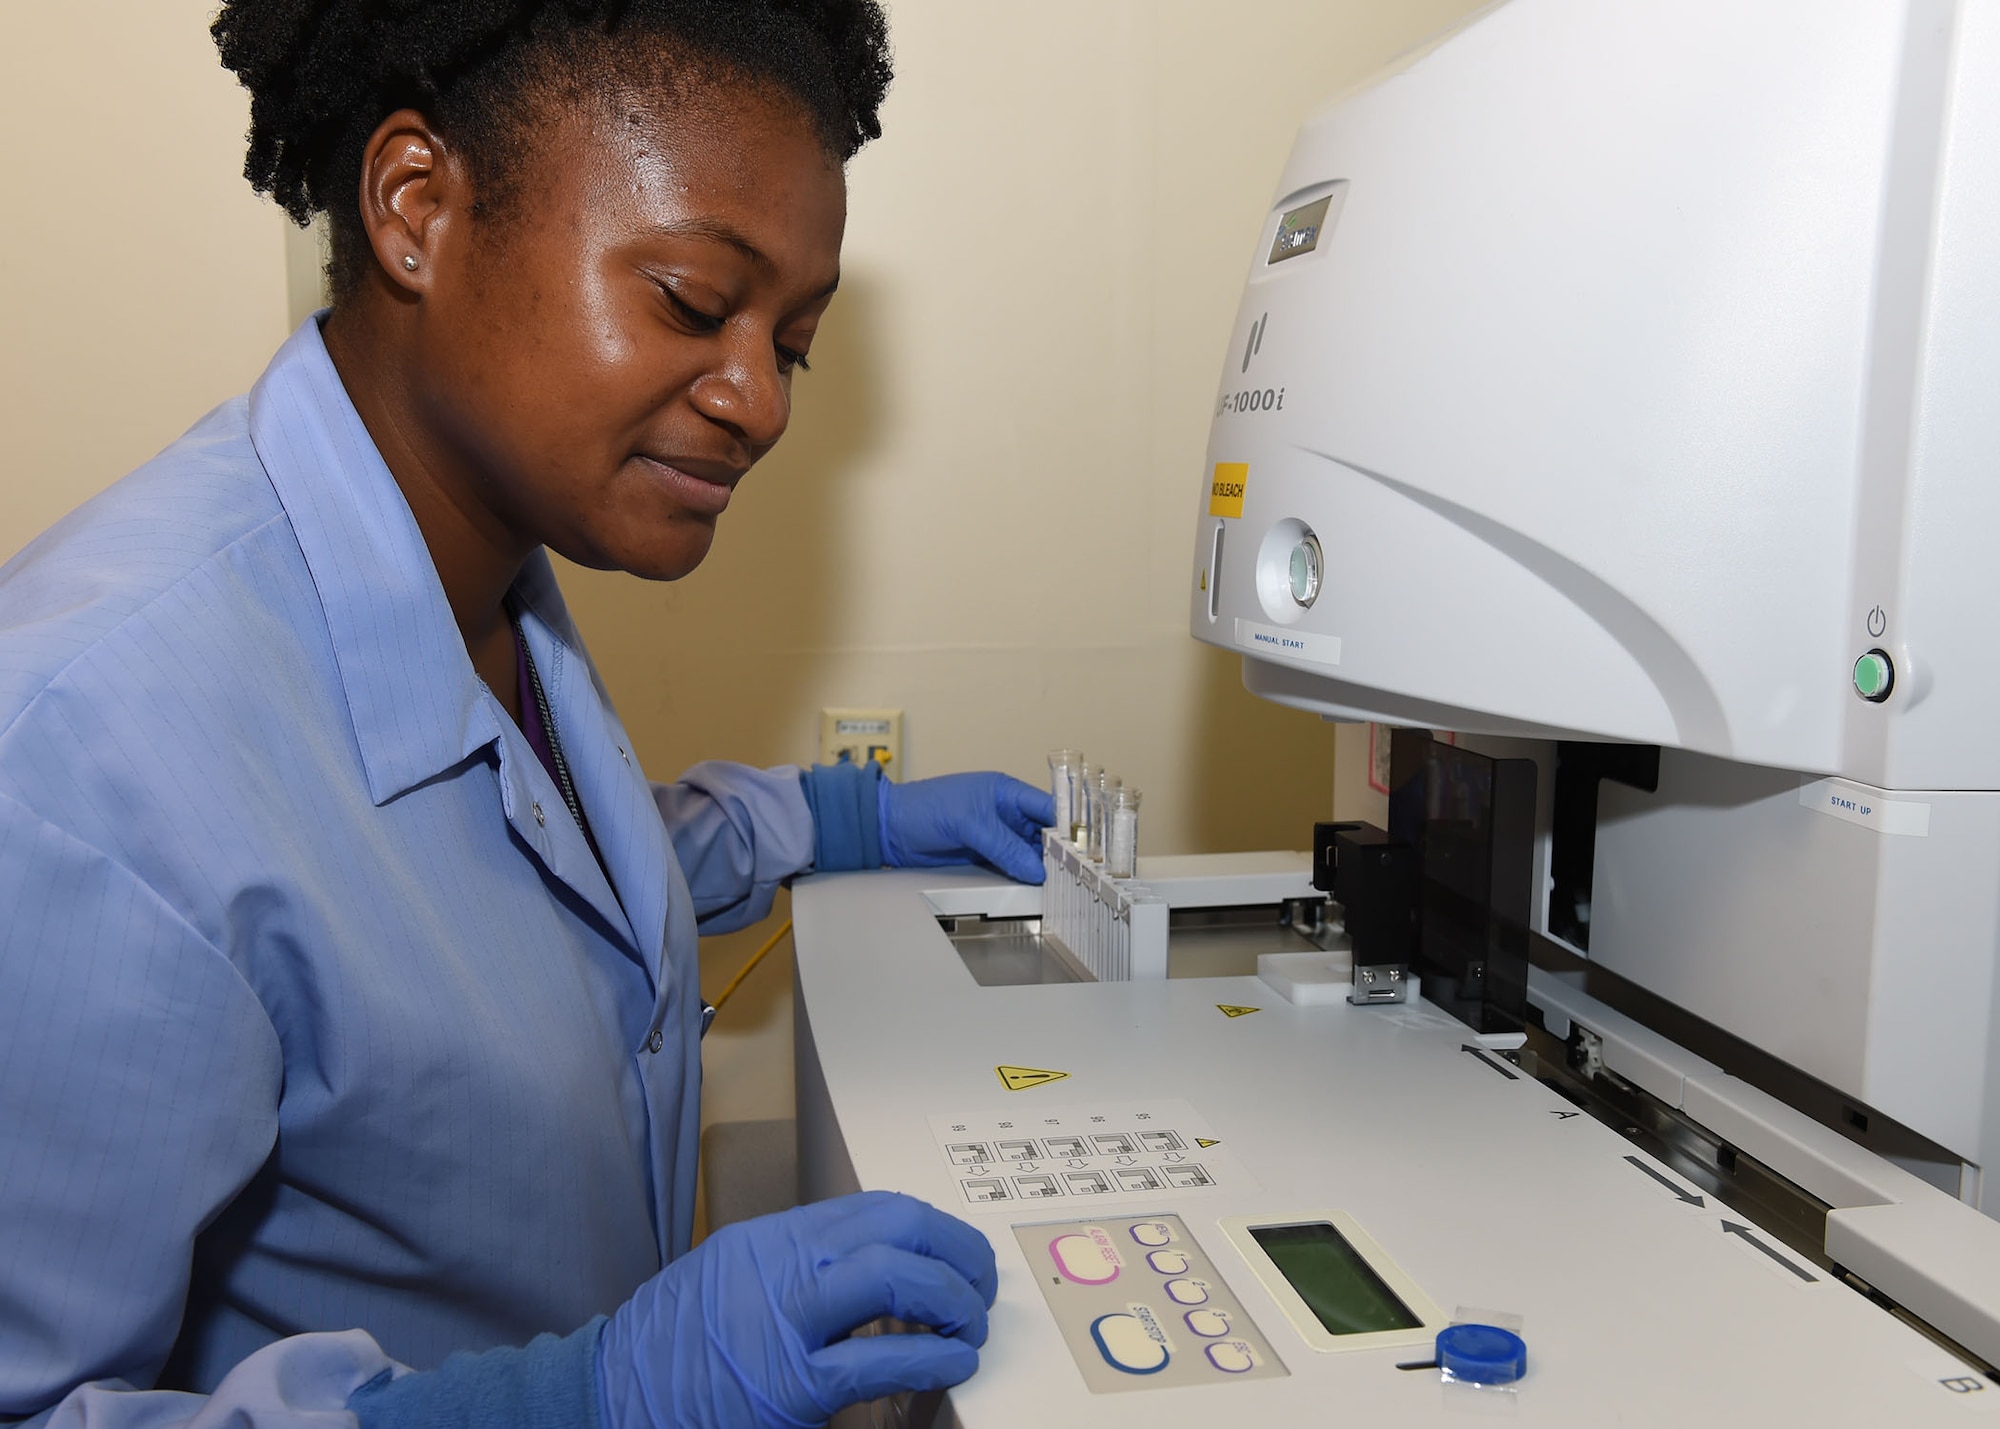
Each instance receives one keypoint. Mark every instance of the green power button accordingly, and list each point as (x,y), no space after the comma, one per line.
(1874,676)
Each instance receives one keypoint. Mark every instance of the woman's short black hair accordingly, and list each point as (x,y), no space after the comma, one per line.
(322,74)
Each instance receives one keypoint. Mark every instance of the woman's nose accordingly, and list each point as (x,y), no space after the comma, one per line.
(748,394)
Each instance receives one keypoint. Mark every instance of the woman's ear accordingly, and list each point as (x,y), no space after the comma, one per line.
(412,188)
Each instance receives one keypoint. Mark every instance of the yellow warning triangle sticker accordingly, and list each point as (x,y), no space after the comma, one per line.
(1207,1141)
(1019,1079)
(1228,1011)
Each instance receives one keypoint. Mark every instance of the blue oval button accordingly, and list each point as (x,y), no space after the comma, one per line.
(1125,1345)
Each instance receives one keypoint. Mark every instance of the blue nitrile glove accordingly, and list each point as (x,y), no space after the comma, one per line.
(749,1327)
(960,818)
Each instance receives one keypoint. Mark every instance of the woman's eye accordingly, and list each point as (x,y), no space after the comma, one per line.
(688,313)
(790,359)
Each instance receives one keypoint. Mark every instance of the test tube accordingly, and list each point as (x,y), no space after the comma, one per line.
(1121,839)
(1086,780)
(1062,785)
(1100,812)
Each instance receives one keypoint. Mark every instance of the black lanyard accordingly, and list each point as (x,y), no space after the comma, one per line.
(548,719)
(563,781)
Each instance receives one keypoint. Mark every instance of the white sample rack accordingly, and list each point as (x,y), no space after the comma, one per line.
(1115,927)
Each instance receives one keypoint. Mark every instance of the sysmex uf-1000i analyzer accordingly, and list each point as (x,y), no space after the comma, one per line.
(1632,373)
(1612,423)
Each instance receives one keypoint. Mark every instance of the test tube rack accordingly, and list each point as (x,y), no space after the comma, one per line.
(1115,927)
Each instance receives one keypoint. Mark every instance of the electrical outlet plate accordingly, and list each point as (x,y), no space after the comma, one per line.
(859,735)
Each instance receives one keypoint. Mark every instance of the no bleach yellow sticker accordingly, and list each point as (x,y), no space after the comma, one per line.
(1225,493)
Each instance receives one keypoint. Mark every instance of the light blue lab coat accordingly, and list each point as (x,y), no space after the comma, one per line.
(317,1013)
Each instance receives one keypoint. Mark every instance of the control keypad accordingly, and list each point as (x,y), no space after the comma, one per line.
(1141,1306)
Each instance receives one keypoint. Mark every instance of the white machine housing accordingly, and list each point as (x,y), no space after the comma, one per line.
(1642,375)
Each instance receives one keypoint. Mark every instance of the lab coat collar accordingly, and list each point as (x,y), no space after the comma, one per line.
(615,796)
(417,705)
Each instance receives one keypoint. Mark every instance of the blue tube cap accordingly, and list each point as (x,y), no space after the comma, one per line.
(1482,1354)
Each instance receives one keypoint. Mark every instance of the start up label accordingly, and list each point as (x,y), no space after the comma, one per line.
(1870,808)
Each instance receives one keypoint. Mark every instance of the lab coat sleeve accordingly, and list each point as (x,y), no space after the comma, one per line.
(300,1383)
(738,833)
(139,1082)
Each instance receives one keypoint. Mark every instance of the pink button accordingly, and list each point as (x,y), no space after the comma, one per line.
(1083,1259)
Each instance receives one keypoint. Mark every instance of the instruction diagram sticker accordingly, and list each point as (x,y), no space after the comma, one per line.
(1085,1153)
(1227,1010)
(1019,1079)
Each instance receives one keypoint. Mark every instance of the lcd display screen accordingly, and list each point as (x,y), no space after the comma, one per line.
(1338,1286)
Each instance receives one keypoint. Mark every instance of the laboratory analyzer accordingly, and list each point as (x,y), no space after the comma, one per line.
(1607,425)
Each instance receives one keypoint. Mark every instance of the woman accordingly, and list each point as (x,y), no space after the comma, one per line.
(348,1004)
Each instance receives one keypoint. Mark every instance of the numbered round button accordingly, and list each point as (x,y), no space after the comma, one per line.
(1168,1262)
(1232,1357)
(1152,1233)
(1188,1292)
(1209,1324)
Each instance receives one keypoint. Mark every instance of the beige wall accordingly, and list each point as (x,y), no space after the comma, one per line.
(141,282)
(983,512)
(1353,798)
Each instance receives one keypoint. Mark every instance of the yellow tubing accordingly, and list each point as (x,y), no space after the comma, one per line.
(755,958)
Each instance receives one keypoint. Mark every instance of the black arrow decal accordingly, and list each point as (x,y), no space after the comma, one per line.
(1731,1228)
(1501,1067)
(1680,1192)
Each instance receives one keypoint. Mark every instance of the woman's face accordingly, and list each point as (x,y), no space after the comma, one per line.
(606,356)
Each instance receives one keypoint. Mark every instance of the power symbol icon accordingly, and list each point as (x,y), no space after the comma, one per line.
(1878,621)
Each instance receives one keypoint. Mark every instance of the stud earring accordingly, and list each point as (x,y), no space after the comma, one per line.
(410,262)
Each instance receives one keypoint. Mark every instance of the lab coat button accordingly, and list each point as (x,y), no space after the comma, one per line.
(656,1041)
(1208,1323)
(540,822)
(1232,1357)
(1188,1292)
(1152,1233)
(1125,1344)
(1168,1262)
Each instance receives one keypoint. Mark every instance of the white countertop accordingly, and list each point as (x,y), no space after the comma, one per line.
(1487,1191)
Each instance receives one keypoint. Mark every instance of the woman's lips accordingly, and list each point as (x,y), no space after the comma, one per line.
(695,493)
